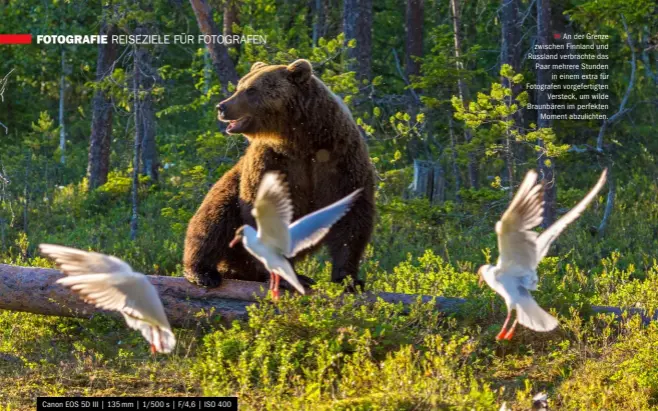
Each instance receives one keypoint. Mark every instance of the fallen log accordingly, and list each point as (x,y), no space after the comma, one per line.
(35,290)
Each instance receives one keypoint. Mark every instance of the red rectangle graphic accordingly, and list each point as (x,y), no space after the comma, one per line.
(15,38)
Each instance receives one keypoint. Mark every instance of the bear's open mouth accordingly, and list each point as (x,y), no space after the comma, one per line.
(236,126)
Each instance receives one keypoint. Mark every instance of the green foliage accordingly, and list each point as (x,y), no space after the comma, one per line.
(332,350)
(491,116)
(622,377)
(340,353)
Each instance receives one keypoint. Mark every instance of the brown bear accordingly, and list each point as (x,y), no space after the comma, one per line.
(297,126)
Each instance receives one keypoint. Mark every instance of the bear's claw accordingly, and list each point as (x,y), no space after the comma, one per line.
(205,280)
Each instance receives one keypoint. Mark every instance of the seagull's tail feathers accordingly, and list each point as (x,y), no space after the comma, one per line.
(294,281)
(531,315)
(160,336)
(163,339)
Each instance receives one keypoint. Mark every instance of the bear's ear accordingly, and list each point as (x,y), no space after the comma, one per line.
(257,65)
(300,71)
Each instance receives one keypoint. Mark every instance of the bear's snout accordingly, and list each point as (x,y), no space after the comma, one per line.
(230,109)
(221,109)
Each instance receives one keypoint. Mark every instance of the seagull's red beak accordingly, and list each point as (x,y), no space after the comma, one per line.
(235,240)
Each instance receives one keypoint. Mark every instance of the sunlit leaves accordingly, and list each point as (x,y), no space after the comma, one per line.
(492,116)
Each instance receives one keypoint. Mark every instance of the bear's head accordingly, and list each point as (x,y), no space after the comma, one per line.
(263,97)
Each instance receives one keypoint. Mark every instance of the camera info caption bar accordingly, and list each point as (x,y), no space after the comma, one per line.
(137,403)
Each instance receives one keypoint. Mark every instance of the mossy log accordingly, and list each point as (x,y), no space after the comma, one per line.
(35,290)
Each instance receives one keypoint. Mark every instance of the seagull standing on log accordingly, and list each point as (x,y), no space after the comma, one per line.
(277,239)
(111,284)
(520,251)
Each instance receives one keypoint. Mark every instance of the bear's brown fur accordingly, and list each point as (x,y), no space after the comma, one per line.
(297,126)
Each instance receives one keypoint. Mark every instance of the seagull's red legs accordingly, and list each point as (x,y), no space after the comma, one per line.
(503,331)
(510,333)
(275,291)
(153,350)
(274,286)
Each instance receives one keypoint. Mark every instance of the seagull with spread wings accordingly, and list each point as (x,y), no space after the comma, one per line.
(111,284)
(520,251)
(276,239)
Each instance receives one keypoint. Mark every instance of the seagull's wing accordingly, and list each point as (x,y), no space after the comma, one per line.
(309,230)
(273,211)
(75,262)
(111,284)
(547,237)
(282,267)
(516,241)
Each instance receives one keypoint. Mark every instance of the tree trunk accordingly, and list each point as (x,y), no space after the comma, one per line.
(98,164)
(137,142)
(414,37)
(62,126)
(463,89)
(3,84)
(318,20)
(147,80)
(509,50)
(455,166)
(150,163)
(27,193)
(221,60)
(357,24)
(35,290)
(509,164)
(207,72)
(510,54)
(230,18)
(543,79)
(609,204)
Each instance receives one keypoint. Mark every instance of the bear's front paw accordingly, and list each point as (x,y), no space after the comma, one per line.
(207,280)
(354,285)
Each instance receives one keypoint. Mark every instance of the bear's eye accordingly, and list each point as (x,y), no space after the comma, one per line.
(251,91)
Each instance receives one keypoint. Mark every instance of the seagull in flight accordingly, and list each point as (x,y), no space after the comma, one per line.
(111,284)
(520,251)
(277,239)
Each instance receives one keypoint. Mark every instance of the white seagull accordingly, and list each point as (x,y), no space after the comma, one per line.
(110,283)
(276,239)
(520,251)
